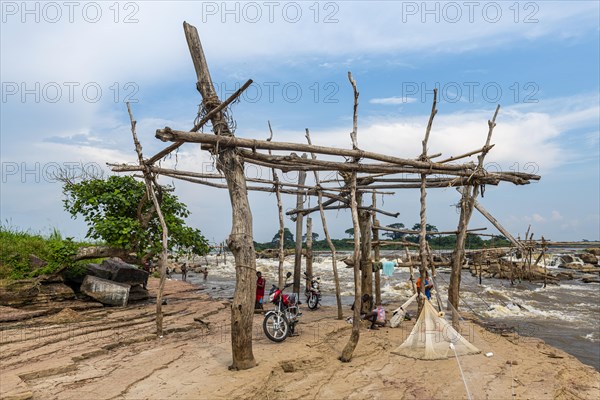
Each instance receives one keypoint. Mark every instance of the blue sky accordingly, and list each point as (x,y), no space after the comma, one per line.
(66,71)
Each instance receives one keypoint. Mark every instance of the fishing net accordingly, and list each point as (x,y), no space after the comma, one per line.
(431,337)
(400,312)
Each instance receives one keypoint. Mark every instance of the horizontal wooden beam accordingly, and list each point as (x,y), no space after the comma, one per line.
(168,134)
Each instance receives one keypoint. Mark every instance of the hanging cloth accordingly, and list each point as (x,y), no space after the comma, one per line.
(388,268)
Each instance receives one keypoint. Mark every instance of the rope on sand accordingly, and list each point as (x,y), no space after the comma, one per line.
(461,371)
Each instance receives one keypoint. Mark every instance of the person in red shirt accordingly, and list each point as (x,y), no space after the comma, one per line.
(260,291)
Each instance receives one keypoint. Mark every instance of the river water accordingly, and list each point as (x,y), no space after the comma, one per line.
(566,316)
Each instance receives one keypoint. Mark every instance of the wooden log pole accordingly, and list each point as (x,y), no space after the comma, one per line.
(281,253)
(299,221)
(423,209)
(336,279)
(348,350)
(366,265)
(240,241)
(376,253)
(148,179)
(467,203)
(309,252)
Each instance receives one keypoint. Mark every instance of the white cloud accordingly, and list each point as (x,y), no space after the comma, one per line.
(538,218)
(393,100)
(556,216)
(107,50)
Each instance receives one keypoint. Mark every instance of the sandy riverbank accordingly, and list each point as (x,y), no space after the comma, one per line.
(105,353)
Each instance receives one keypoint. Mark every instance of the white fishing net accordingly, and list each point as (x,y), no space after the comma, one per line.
(400,312)
(431,337)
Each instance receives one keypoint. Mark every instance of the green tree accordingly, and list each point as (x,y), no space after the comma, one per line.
(395,235)
(349,232)
(315,237)
(117,211)
(288,237)
(473,241)
(428,228)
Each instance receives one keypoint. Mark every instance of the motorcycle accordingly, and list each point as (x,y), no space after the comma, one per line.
(281,322)
(313,292)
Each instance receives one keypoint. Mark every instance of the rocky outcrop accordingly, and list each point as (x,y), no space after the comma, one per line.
(105,291)
(28,291)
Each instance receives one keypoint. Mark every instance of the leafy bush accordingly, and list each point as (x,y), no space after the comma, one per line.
(16,246)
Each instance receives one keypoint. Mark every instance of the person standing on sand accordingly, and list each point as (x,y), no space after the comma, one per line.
(260,291)
(205,273)
(184,272)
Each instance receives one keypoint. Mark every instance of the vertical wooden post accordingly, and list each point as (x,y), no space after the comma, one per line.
(355,335)
(309,252)
(336,279)
(280,213)
(467,203)
(410,268)
(366,266)
(376,251)
(149,180)
(299,220)
(240,241)
(423,211)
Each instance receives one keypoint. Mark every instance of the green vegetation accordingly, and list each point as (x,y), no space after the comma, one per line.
(438,242)
(17,247)
(118,212)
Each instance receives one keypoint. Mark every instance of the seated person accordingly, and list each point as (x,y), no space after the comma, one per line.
(367,300)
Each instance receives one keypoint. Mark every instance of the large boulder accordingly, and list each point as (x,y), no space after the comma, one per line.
(105,291)
(588,258)
(100,271)
(121,272)
(138,293)
(594,250)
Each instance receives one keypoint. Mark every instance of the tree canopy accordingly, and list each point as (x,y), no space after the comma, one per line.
(417,227)
(118,211)
(395,235)
(288,237)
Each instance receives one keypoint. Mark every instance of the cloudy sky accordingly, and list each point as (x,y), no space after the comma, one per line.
(67,69)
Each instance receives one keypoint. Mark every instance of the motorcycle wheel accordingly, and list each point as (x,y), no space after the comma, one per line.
(276,327)
(313,302)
